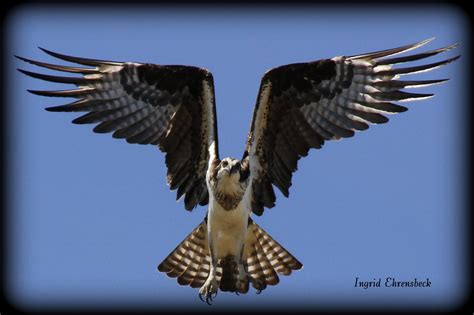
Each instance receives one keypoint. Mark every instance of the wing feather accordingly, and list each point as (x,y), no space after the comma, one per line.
(301,105)
(171,106)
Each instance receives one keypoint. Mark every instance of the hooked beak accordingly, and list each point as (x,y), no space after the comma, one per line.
(234,168)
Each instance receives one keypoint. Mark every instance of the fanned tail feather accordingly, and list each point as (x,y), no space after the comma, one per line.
(264,258)
(190,261)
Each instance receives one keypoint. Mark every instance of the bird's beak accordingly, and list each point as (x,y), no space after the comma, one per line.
(234,168)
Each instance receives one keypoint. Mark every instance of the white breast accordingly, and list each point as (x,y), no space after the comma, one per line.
(227,228)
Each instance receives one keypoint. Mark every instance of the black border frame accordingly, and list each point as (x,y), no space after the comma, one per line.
(466,307)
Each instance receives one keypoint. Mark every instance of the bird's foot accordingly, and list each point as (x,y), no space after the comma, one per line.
(242,283)
(242,286)
(209,290)
(259,285)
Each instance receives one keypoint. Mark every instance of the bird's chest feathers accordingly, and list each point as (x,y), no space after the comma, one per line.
(228,192)
(227,229)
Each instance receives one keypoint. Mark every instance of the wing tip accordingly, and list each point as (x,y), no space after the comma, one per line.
(53,109)
(31,74)
(402,49)
(438,81)
(21,58)
(36,92)
(422,43)
(417,97)
(47,51)
(82,120)
(80,60)
(22,71)
(455,45)
(426,41)
(453,59)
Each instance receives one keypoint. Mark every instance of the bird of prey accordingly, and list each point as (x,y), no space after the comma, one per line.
(299,106)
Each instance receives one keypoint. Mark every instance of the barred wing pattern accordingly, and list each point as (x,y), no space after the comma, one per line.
(172,107)
(302,105)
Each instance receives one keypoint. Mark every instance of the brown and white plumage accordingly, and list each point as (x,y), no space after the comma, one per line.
(263,258)
(190,260)
(146,104)
(302,105)
(299,107)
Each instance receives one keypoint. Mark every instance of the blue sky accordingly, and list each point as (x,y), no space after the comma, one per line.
(92,217)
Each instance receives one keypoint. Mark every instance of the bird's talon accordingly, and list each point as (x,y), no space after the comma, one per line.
(208,291)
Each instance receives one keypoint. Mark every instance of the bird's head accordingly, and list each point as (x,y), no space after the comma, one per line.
(230,172)
(229,181)
(229,167)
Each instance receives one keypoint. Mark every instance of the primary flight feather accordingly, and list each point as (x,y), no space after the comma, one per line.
(299,106)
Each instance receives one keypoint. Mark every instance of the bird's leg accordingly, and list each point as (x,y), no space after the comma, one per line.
(258,284)
(242,284)
(243,279)
(208,291)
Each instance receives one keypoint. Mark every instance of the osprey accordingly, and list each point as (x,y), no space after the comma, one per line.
(299,106)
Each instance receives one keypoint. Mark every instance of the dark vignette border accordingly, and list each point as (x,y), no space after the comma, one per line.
(465,307)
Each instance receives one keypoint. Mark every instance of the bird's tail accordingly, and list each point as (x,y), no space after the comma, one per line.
(263,259)
(190,261)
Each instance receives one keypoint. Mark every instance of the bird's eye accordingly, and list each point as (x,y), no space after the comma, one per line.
(224,163)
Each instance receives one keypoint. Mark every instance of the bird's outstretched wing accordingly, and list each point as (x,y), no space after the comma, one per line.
(169,106)
(301,105)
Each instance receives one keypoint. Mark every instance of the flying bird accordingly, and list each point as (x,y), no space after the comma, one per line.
(299,106)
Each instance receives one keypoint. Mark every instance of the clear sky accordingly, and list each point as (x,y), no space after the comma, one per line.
(91,217)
